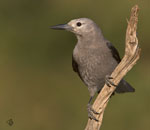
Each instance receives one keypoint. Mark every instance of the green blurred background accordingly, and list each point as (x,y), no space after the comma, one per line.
(38,88)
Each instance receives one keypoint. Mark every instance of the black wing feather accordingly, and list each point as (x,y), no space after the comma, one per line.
(75,67)
(114,52)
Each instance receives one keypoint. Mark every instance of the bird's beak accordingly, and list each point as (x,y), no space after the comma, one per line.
(62,27)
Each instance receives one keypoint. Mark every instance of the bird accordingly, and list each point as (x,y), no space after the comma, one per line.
(94,58)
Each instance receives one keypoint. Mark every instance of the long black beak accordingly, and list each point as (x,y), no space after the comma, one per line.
(62,27)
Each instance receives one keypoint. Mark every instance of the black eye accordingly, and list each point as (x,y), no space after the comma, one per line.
(79,24)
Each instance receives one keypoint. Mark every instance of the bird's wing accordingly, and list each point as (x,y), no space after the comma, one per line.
(114,52)
(75,67)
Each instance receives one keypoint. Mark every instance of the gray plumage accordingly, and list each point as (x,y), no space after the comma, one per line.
(93,57)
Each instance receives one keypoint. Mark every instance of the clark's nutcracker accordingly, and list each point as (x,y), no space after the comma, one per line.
(94,58)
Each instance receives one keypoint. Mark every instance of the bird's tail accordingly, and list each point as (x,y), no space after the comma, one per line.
(124,87)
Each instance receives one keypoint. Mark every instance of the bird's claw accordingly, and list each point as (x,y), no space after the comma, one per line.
(91,111)
(108,82)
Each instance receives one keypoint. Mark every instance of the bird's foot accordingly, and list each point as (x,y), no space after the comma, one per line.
(109,82)
(91,111)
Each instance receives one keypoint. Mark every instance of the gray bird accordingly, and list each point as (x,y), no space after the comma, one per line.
(94,58)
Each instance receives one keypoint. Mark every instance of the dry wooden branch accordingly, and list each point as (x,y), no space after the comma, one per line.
(132,54)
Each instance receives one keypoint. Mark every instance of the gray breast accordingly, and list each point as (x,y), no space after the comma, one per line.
(94,65)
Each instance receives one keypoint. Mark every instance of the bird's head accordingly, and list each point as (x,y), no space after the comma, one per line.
(80,27)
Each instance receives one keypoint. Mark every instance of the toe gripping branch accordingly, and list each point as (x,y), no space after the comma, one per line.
(91,112)
(109,82)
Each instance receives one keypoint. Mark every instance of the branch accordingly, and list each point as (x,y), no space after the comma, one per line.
(132,54)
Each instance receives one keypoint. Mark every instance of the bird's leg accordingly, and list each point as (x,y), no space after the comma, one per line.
(91,110)
(90,106)
(108,82)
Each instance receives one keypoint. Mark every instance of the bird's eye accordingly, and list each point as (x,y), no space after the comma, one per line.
(79,24)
